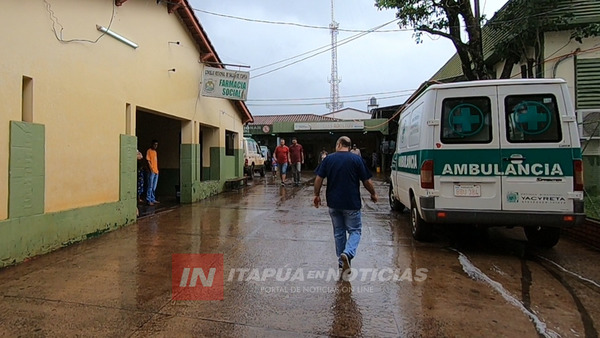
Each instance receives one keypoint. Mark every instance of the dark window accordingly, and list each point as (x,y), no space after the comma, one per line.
(466,120)
(229,143)
(532,118)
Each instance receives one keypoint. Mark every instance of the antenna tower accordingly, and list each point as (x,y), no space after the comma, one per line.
(334,92)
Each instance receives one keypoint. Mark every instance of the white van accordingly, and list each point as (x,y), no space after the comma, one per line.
(490,153)
(253,158)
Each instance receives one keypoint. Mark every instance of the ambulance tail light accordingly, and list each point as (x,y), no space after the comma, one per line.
(427,175)
(577,175)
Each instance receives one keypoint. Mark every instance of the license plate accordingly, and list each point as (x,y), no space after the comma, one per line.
(467,190)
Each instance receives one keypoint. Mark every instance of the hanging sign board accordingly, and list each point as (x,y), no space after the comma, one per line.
(341,125)
(224,83)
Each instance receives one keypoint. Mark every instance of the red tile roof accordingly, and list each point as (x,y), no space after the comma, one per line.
(270,119)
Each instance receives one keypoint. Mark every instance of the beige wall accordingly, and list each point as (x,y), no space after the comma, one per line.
(558,45)
(81,89)
(559,63)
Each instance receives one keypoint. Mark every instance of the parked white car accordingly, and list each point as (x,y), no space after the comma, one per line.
(253,158)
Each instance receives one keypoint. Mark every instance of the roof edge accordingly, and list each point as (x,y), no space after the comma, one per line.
(185,11)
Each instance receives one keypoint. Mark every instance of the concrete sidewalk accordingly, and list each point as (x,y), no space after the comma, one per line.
(277,252)
(119,284)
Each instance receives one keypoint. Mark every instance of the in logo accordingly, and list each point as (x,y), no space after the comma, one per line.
(197,277)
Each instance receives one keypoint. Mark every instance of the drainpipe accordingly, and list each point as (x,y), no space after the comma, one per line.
(566,57)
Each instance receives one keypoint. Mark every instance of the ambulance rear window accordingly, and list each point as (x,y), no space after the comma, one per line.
(532,118)
(466,120)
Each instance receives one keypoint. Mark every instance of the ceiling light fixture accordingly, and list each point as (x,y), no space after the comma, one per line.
(117,36)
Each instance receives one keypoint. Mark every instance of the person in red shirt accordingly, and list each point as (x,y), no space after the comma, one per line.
(282,154)
(297,160)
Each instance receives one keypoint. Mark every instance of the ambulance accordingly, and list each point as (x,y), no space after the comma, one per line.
(490,153)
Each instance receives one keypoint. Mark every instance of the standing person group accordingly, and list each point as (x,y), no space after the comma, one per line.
(282,154)
(142,171)
(297,160)
(344,172)
(152,158)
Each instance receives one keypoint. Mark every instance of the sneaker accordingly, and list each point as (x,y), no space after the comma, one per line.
(282,184)
(150,203)
(345,262)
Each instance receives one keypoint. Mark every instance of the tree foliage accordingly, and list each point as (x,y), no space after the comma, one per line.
(522,24)
(445,18)
(587,31)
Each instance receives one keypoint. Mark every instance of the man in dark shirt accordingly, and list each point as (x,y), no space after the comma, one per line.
(344,172)
(297,157)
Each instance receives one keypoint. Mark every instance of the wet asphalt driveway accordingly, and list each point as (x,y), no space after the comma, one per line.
(279,277)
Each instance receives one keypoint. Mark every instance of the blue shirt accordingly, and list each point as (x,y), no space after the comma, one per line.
(344,172)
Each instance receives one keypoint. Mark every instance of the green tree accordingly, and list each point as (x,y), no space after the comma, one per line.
(444,18)
(522,24)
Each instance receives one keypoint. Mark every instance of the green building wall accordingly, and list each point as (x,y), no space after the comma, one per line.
(197,182)
(29,231)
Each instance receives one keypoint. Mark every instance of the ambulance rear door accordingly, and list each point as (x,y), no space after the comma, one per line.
(536,148)
(466,150)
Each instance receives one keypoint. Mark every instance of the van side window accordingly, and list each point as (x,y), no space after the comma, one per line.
(532,118)
(466,120)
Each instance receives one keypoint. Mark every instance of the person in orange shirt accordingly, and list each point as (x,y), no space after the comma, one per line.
(152,158)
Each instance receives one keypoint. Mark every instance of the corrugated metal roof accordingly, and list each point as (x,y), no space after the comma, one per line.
(270,119)
(452,69)
(584,12)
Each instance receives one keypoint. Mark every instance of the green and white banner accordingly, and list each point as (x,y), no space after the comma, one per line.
(224,83)
(490,162)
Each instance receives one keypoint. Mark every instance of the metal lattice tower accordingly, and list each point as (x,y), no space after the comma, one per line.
(334,92)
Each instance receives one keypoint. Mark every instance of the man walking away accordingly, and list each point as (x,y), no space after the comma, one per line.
(297,158)
(152,158)
(344,172)
(282,154)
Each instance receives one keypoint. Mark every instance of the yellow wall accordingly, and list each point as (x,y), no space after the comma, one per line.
(81,89)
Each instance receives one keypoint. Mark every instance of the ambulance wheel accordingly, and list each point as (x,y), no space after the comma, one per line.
(394,203)
(544,237)
(421,230)
(251,173)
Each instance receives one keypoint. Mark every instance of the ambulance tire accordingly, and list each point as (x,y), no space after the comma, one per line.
(421,230)
(251,172)
(394,203)
(544,237)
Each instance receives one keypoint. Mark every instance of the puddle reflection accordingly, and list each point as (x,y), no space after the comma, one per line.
(347,318)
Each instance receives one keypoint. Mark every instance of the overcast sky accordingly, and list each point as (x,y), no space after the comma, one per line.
(386,64)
